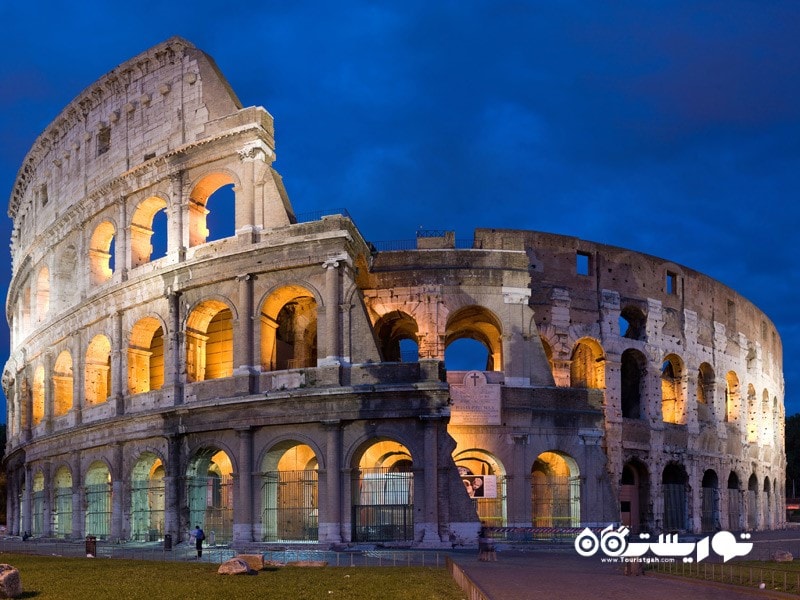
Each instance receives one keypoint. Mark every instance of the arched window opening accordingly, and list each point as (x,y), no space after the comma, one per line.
(484,480)
(709,503)
(587,368)
(752,415)
(632,370)
(672,404)
(43,294)
(705,393)
(146,356)
(212,209)
(633,496)
(674,484)
(383,493)
(62,503)
(209,342)
(752,502)
(143,230)
(732,397)
(101,253)
(97,384)
(734,503)
(397,331)
(467,355)
(767,504)
(38,396)
(37,504)
(147,499)
(62,384)
(98,500)
(555,491)
(479,324)
(633,323)
(289,330)
(290,494)
(210,493)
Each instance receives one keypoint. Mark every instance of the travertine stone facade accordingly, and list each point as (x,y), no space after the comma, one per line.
(260,383)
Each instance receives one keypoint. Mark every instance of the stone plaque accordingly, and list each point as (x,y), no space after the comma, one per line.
(475,402)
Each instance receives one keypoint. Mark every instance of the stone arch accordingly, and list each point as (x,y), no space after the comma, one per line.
(62,502)
(675,490)
(709,502)
(732,397)
(289,492)
(98,500)
(42,293)
(210,492)
(734,502)
(548,353)
(705,393)
(484,478)
(146,356)
(38,396)
(634,495)
(752,502)
(480,324)
(201,191)
(587,368)
(97,384)
(209,341)
(555,490)
(633,371)
(633,323)
(752,414)
(289,328)
(767,503)
(101,252)
(142,229)
(147,498)
(392,329)
(673,408)
(63,389)
(382,492)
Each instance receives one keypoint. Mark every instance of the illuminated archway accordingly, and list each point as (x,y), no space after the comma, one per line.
(672,399)
(633,496)
(209,484)
(62,503)
(37,504)
(98,500)
(37,413)
(394,330)
(555,491)
(479,324)
(383,493)
(142,229)
(289,493)
(62,384)
(732,397)
(146,356)
(209,341)
(147,499)
(752,415)
(97,384)
(101,253)
(484,479)
(289,329)
(587,366)
(752,502)
(209,185)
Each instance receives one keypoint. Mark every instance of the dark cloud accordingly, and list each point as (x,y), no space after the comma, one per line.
(672,129)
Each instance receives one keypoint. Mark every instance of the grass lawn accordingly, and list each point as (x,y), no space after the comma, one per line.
(46,577)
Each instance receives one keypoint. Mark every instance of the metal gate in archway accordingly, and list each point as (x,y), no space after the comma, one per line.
(211,506)
(290,506)
(383,508)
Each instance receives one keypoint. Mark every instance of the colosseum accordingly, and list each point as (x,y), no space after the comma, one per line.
(285,381)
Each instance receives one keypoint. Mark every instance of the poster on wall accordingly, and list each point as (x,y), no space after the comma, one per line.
(480,486)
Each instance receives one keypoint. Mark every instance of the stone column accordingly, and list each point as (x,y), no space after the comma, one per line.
(27,500)
(47,503)
(174,361)
(178,233)
(117,491)
(332,293)
(516,357)
(122,253)
(118,362)
(77,377)
(26,400)
(48,391)
(430,468)
(244,352)
(77,496)
(518,490)
(243,507)
(173,489)
(330,510)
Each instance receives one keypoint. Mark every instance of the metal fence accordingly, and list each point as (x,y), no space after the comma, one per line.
(747,575)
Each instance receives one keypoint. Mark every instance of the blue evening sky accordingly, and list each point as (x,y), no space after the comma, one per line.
(671,128)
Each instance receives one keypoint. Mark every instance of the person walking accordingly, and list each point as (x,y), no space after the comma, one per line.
(199,536)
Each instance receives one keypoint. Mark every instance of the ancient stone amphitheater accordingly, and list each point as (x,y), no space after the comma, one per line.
(283,381)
